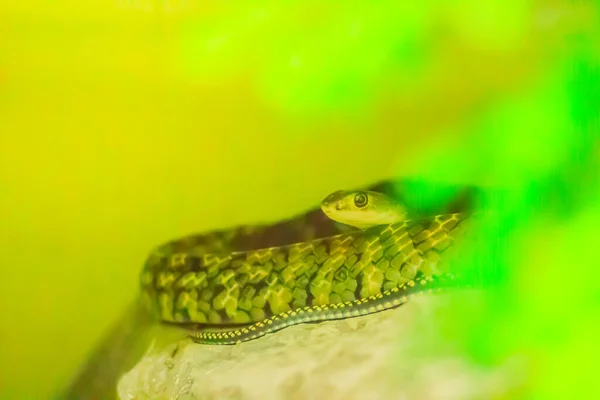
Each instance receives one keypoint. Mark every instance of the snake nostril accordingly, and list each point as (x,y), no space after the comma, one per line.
(338,206)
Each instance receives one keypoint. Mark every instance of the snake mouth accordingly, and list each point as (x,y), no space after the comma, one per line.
(328,209)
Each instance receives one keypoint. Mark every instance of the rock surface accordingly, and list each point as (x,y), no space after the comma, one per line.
(397,354)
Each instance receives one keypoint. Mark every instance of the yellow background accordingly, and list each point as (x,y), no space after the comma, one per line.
(109,147)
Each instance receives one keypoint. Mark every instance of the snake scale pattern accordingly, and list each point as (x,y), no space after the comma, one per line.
(229,286)
(208,282)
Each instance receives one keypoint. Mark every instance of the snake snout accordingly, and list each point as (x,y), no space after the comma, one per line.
(334,197)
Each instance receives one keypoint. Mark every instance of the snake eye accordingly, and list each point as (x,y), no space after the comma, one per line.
(361,200)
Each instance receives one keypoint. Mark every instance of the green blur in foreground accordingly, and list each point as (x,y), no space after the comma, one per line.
(541,148)
(540,255)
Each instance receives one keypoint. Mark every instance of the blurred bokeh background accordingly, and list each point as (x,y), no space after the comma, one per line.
(127,123)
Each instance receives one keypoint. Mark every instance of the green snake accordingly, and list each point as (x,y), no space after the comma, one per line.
(230,287)
(344,259)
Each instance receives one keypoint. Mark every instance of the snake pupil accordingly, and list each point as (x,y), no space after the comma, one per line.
(360,200)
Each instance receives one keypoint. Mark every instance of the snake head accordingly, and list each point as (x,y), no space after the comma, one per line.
(362,209)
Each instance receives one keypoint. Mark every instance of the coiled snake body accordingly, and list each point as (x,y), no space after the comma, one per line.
(251,289)
(248,282)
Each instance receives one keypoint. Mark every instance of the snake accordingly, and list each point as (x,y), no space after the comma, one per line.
(237,285)
(359,253)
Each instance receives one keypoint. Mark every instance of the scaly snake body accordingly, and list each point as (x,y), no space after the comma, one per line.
(263,278)
(250,292)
